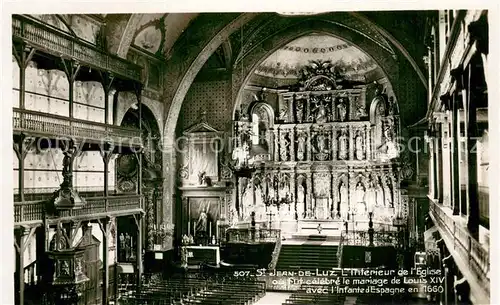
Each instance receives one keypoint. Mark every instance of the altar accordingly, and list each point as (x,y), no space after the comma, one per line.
(197,255)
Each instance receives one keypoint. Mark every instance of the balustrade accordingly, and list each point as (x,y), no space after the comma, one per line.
(45,123)
(454,231)
(247,235)
(62,44)
(361,238)
(35,210)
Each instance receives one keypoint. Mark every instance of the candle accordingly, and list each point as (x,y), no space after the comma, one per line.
(209,229)
(189,228)
(194,228)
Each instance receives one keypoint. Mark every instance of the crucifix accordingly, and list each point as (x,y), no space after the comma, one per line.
(270,214)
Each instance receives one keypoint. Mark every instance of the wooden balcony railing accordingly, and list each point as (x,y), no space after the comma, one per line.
(33,211)
(62,44)
(457,238)
(49,124)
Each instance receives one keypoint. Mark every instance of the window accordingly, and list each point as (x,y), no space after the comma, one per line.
(255,129)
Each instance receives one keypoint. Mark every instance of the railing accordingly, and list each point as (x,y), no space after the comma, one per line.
(362,238)
(35,210)
(275,254)
(469,249)
(50,124)
(59,43)
(248,235)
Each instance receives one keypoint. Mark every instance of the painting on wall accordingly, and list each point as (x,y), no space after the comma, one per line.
(203,214)
(204,160)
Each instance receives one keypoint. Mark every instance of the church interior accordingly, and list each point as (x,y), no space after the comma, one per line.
(226,158)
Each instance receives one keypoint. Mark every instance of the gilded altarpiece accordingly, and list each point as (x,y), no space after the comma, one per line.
(332,151)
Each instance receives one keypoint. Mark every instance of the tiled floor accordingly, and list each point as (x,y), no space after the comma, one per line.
(273,298)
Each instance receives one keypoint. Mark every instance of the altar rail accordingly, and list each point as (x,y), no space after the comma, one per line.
(46,124)
(247,235)
(461,243)
(34,211)
(61,44)
(361,238)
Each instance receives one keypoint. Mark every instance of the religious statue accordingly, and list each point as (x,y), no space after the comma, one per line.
(300,111)
(320,115)
(64,268)
(342,110)
(379,195)
(204,180)
(392,106)
(388,196)
(370,196)
(360,199)
(361,112)
(390,144)
(301,198)
(321,143)
(343,200)
(360,151)
(283,113)
(202,223)
(343,145)
(67,166)
(301,146)
(284,148)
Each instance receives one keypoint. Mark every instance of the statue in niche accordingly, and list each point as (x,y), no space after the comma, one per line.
(301,146)
(388,195)
(344,200)
(320,111)
(379,195)
(283,114)
(284,143)
(342,110)
(321,143)
(392,106)
(361,112)
(370,196)
(301,198)
(343,145)
(360,199)
(360,151)
(390,144)
(300,111)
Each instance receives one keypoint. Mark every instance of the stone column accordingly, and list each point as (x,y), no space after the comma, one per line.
(276,145)
(294,194)
(308,108)
(334,142)
(292,144)
(309,145)
(431,167)
(309,197)
(351,142)
(455,161)
(367,142)
(169,172)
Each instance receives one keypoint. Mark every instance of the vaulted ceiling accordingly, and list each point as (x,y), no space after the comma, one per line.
(243,45)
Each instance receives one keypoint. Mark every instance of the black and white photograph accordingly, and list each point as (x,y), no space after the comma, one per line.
(218,157)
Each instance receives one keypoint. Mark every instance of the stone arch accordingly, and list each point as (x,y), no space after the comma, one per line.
(186,69)
(125,100)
